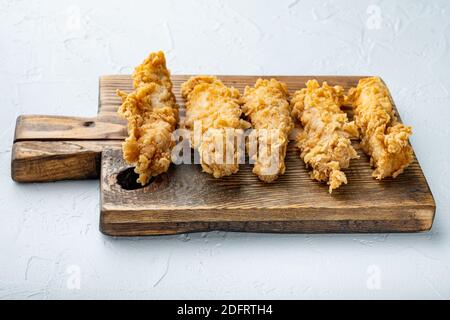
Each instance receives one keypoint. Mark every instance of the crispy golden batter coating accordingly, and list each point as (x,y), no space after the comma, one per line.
(324,142)
(384,139)
(153,70)
(214,107)
(268,109)
(152,116)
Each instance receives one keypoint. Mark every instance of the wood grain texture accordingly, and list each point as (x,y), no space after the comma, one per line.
(51,128)
(42,161)
(187,200)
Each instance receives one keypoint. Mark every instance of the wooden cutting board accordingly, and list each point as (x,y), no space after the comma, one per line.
(49,148)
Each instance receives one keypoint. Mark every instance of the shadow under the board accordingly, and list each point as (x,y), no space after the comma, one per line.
(428,238)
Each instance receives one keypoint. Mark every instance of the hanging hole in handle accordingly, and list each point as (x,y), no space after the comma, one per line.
(127,179)
(89,124)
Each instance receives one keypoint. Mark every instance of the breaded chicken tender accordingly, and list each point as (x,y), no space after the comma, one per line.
(214,108)
(269,111)
(152,115)
(384,139)
(325,140)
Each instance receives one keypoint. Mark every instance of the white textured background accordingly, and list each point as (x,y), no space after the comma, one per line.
(51,55)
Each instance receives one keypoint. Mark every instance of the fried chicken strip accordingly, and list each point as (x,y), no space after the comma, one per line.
(214,108)
(384,139)
(268,109)
(324,142)
(152,115)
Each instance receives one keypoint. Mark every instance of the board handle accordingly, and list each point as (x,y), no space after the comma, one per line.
(51,148)
(57,128)
(44,161)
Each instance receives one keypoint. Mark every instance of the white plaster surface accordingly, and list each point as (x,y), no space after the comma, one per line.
(51,55)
